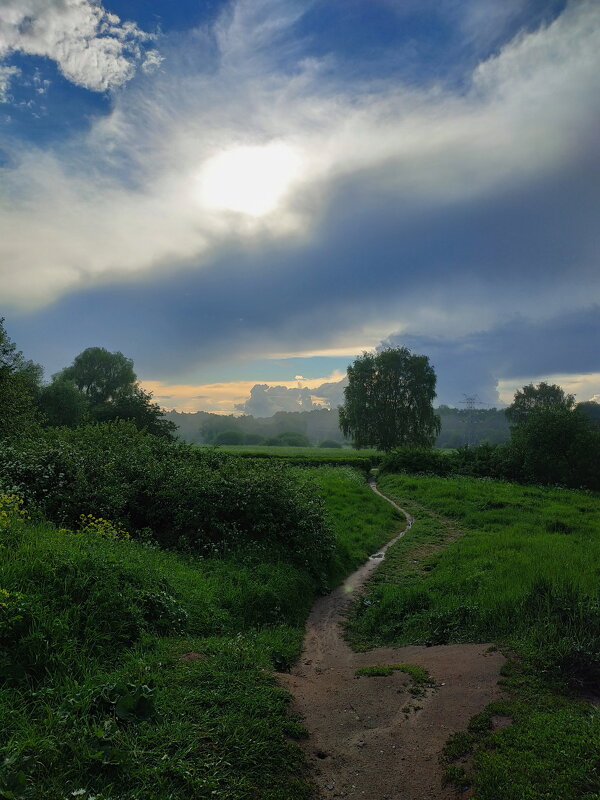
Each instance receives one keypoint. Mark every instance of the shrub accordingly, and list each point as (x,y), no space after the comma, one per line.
(330,443)
(229,437)
(188,497)
(418,459)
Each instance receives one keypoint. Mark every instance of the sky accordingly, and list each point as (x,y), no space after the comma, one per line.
(244,195)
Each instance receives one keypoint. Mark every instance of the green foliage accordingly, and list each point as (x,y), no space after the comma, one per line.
(536,398)
(229,437)
(19,387)
(186,497)
(331,443)
(554,446)
(100,375)
(288,439)
(364,460)
(142,674)
(591,409)
(558,445)
(418,460)
(62,403)
(135,406)
(388,401)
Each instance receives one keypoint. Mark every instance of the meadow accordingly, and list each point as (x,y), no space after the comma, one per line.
(131,672)
(517,566)
(364,459)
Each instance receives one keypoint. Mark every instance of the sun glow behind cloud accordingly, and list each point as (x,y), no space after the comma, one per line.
(249,180)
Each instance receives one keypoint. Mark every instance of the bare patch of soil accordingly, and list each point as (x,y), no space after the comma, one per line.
(375,738)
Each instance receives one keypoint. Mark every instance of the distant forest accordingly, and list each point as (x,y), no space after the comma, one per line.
(459,427)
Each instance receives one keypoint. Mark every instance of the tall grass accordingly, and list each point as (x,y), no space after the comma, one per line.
(523,573)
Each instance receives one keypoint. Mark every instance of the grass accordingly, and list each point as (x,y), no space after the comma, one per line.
(132,673)
(362,521)
(524,573)
(284,452)
(306,456)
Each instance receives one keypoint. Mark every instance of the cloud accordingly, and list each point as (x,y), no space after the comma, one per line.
(122,203)
(494,363)
(248,397)
(92,47)
(6,75)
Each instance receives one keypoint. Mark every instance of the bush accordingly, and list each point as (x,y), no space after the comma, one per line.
(289,439)
(419,460)
(330,443)
(188,497)
(229,437)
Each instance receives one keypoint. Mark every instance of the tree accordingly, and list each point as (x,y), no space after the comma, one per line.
(389,401)
(108,385)
(19,387)
(530,398)
(100,375)
(592,411)
(557,445)
(63,404)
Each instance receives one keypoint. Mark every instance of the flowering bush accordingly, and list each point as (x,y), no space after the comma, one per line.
(11,510)
(101,527)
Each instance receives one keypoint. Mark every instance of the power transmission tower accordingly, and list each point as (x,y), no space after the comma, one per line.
(471,401)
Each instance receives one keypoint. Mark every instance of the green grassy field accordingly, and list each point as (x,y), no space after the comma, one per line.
(345,452)
(523,573)
(132,673)
(364,459)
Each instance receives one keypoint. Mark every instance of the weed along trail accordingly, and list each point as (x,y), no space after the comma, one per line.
(378,720)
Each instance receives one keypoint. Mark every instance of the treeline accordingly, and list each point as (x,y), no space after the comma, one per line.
(321,427)
(289,428)
(552,443)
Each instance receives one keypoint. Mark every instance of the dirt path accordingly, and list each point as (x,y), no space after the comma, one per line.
(369,738)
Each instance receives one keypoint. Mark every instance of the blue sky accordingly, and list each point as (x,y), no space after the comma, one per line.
(255,191)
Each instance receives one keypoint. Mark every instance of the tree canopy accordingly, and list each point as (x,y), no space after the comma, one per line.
(389,401)
(100,386)
(101,375)
(531,398)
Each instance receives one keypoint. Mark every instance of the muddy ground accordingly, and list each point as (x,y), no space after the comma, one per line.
(371,738)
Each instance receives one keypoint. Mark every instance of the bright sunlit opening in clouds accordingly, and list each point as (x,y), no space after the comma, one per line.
(250,180)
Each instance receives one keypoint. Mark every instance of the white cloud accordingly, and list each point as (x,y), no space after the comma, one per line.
(6,76)
(584,387)
(120,203)
(91,47)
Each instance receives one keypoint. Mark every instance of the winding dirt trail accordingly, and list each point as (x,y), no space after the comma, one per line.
(369,738)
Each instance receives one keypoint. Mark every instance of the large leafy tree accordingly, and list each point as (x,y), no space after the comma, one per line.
(558,445)
(101,386)
(389,401)
(534,398)
(101,375)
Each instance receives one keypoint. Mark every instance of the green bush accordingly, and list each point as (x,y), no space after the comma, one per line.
(192,498)
(418,460)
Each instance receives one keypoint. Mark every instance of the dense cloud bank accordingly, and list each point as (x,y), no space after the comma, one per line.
(459,212)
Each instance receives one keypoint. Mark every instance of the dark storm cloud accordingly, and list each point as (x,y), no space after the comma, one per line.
(516,349)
